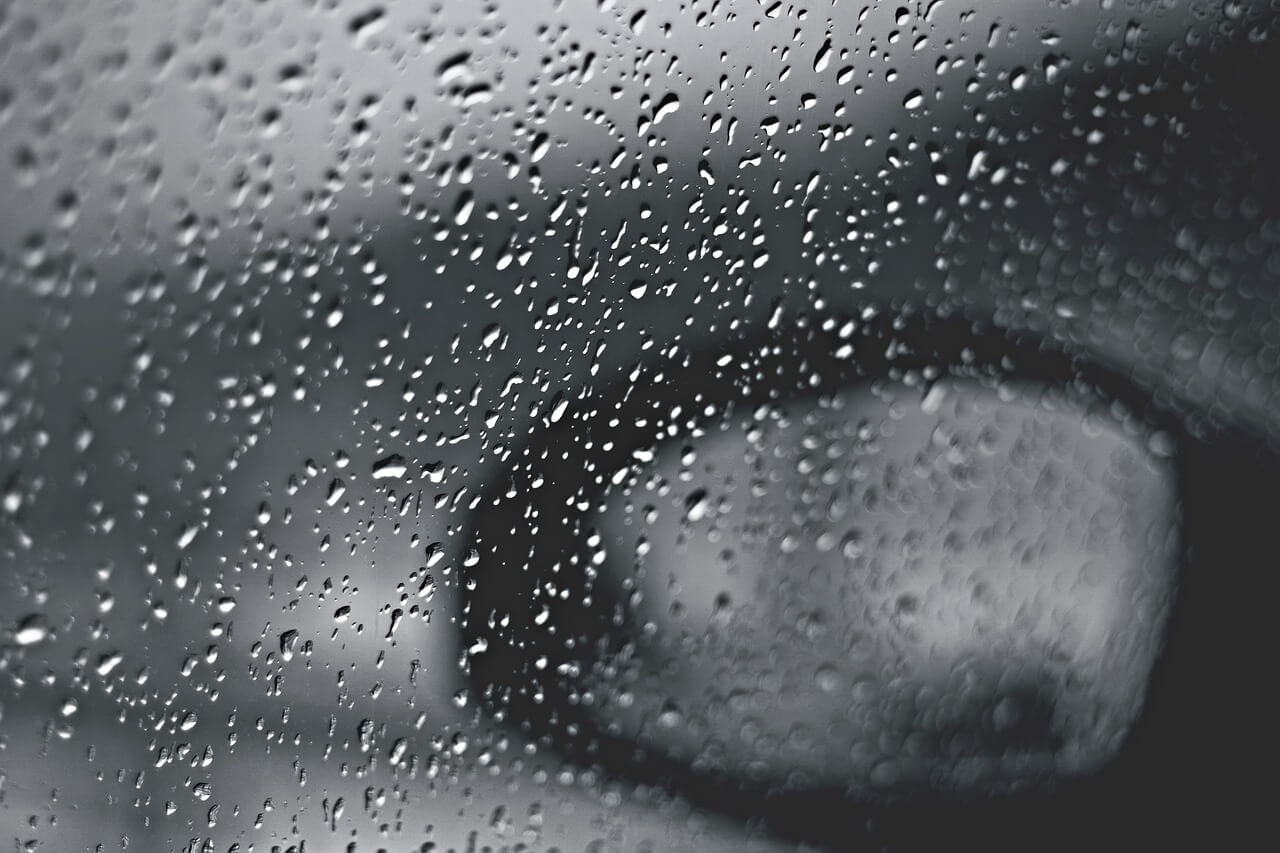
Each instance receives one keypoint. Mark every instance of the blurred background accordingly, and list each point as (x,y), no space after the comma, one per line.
(283,284)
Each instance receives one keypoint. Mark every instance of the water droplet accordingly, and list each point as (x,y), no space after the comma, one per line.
(671,717)
(187,535)
(392,466)
(823,57)
(367,23)
(31,630)
(108,662)
(669,104)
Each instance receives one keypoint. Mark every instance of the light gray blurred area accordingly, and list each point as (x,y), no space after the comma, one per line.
(284,285)
(854,557)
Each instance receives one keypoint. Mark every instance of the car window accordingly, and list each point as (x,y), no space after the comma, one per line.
(600,425)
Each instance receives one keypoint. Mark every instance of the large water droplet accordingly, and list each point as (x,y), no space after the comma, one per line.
(31,630)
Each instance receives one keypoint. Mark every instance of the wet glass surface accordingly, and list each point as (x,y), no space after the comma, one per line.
(597,425)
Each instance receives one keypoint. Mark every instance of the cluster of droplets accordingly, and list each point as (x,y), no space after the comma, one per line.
(287,289)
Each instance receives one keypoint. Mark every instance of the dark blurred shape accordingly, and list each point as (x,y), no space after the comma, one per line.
(1184,760)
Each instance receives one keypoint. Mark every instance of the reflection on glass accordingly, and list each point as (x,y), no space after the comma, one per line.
(929,580)
(889,589)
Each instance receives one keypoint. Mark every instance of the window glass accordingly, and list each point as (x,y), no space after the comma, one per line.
(611,425)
